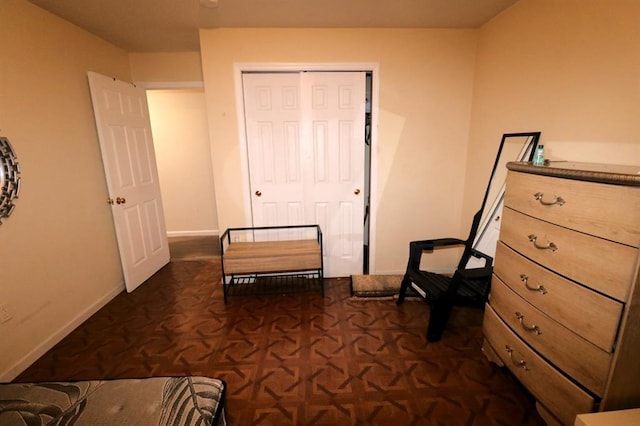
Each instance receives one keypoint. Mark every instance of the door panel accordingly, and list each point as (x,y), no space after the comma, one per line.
(337,113)
(124,132)
(273,132)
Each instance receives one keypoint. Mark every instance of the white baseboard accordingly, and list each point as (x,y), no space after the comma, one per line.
(55,338)
(201,233)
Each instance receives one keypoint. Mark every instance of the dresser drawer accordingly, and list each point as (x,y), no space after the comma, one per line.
(577,357)
(558,394)
(589,314)
(603,210)
(602,265)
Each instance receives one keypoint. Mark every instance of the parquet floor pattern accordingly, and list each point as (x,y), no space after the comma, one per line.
(294,359)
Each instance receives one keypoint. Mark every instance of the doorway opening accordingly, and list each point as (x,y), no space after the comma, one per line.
(181,142)
(367,170)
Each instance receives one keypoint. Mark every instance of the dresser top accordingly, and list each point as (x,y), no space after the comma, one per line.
(594,172)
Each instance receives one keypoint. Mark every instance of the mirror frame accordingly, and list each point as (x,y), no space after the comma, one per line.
(9,178)
(526,153)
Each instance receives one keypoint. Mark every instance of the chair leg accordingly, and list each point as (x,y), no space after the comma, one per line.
(440,313)
(403,289)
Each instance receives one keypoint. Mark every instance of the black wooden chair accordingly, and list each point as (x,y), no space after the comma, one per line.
(467,287)
(470,283)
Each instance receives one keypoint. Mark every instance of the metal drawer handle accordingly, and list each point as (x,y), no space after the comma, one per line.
(525,280)
(518,363)
(556,200)
(550,246)
(530,328)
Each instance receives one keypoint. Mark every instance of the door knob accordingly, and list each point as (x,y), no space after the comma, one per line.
(357,191)
(110,200)
(258,193)
(120,200)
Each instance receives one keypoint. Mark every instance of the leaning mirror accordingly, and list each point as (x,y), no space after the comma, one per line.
(513,147)
(9,178)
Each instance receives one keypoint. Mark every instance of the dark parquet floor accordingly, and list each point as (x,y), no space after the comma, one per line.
(296,359)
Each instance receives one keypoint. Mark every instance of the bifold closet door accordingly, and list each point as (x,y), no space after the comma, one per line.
(305,142)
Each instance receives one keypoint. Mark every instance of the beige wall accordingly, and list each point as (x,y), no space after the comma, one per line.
(569,68)
(426,81)
(166,66)
(181,141)
(58,256)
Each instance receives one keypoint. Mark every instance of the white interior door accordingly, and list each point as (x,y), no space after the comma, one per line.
(305,140)
(124,131)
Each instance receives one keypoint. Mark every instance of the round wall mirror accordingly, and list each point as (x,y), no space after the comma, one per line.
(9,178)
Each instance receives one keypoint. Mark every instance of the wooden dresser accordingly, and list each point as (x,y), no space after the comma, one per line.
(564,309)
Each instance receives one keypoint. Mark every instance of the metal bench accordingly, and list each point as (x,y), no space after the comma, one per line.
(271,259)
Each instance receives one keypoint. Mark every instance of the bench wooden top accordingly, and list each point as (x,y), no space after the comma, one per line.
(238,250)
(272,256)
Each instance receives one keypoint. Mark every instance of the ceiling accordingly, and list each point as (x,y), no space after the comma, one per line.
(172,25)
